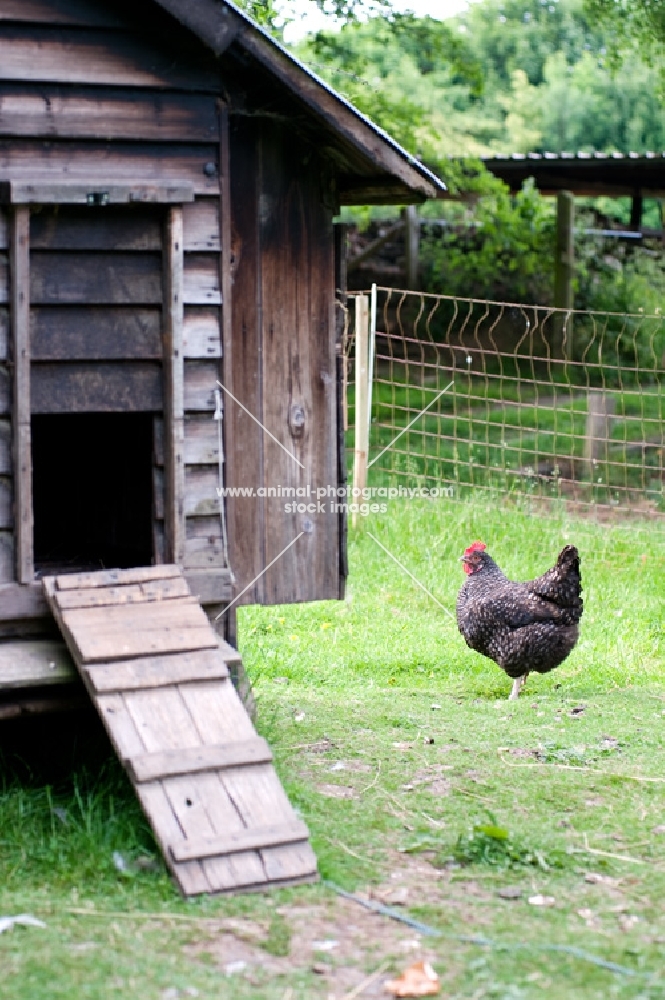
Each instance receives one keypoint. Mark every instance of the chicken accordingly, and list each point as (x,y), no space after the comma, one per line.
(521,626)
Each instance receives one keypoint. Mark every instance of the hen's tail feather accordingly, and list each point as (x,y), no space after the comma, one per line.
(562,585)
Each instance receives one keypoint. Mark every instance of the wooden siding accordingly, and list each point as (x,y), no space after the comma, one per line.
(6,472)
(116,104)
(283,364)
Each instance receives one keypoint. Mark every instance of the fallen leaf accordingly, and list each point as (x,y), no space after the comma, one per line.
(393,896)
(419,980)
(542,900)
(402,746)
(659,829)
(627,921)
(328,945)
(577,710)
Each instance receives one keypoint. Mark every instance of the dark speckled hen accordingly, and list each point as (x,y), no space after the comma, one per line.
(521,626)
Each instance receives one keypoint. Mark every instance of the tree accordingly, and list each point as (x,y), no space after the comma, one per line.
(632,26)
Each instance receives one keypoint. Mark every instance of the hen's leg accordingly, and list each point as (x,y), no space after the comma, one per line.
(517,686)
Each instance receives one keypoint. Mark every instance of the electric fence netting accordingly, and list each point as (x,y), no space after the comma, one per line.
(512,398)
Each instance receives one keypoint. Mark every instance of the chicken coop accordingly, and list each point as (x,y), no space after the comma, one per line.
(169,176)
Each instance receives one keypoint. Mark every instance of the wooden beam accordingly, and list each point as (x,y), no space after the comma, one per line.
(92,192)
(245,840)
(174,416)
(362,389)
(20,321)
(169,763)
(564,269)
(226,376)
(412,246)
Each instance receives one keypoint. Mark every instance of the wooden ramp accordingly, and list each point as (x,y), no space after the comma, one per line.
(158,675)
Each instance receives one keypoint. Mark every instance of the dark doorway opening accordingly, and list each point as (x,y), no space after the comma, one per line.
(92,491)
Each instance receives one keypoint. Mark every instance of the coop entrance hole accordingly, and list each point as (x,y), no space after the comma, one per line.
(92,491)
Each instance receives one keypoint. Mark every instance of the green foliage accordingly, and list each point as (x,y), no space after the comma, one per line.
(498,253)
(494,845)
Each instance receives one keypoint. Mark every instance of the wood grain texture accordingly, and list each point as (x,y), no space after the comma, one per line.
(6,503)
(233,843)
(200,384)
(201,224)
(96,113)
(110,228)
(98,165)
(4,332)
(89,333)
(88,387)
(35,663)
(6,563)
(211,757)
(157,671)
(201,335)
(116,577)
(5,389)
(201,279)
(114,279)
(46,54)
(200,496)
(6,468)
(174,459)
(20,320)
(136,593)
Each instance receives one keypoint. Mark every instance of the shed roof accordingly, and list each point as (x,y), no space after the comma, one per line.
(378,170)
(591,174)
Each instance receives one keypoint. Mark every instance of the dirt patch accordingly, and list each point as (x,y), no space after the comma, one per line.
(339,941)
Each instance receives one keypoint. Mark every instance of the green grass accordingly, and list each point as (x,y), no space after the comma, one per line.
(397,745)
(494,431)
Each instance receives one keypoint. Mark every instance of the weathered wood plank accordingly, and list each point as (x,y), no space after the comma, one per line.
(210,586)
(200,384)
(201,483)
(201,279)
(20,318)
(4,237)
(201,337)
(168,763)
(204,553)
(78,333)
(6,505)
(87,387)
(19,602)
(4,278)
(99,166)
(201,441)
(5,448)
(162,719)
(4,389)
(6,564)
(104,114)
(35,663)
(79,12)
(191,876)
(113,279)
(98,647)
(233,843)
(88,191)
(217,709)
(158,671)
(156,590)
(174,447)
(66,55)
(116,577)
(111,228)
(201,225)
(4,332)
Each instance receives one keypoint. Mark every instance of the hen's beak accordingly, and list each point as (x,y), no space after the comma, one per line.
(465,559)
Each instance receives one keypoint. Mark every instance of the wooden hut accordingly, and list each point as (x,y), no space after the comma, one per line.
(168,181)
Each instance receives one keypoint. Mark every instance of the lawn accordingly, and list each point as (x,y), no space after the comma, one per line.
(529,836)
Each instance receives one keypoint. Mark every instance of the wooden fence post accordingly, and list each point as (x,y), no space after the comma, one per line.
(412,246)
(362,395)
(600,410)
(564,268)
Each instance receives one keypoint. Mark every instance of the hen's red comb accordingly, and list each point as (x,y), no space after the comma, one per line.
(475,547)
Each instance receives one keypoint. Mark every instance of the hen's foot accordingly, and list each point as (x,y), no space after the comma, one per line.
(517,687)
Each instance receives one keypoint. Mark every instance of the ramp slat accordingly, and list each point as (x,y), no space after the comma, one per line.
(236,843)
(158,675)
(115,577)
(151,766)
(157,671)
